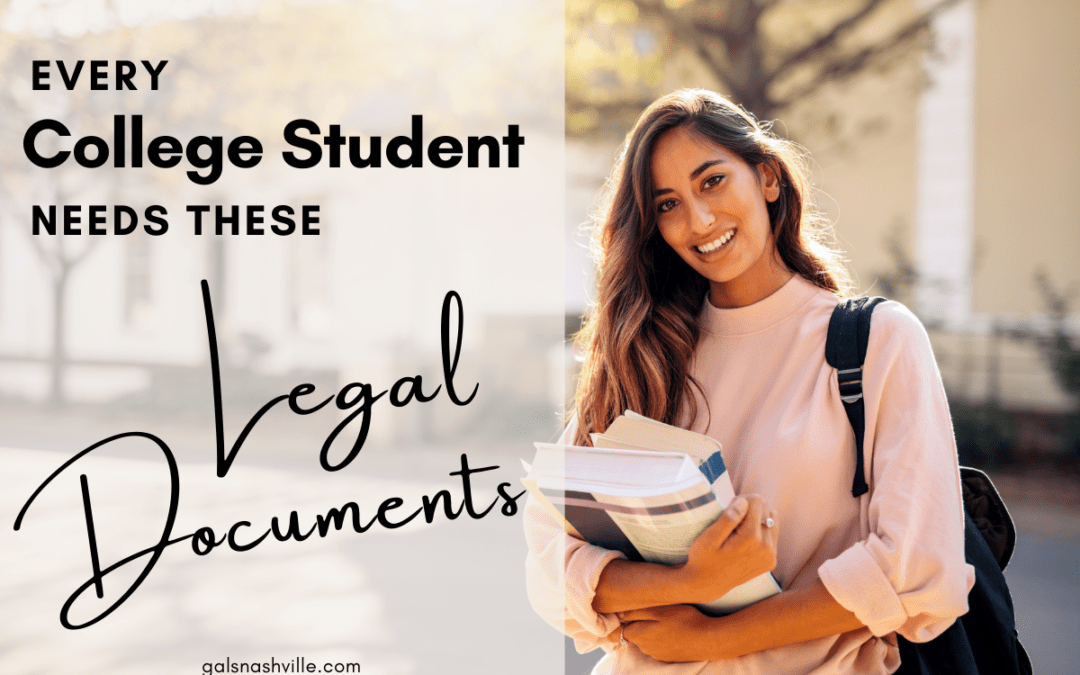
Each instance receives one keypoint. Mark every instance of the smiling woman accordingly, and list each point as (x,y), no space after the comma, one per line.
(714,294)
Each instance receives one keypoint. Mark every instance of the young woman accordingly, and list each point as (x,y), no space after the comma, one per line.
(714,292)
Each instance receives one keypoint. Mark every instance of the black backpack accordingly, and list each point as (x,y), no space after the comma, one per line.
(984,641)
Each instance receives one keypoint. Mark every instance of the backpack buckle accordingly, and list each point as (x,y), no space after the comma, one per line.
(850,382)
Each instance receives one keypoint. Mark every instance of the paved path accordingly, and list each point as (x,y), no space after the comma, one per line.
(1044,576)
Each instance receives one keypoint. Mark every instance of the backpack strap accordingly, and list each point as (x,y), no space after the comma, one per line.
(985,639)
(845,350)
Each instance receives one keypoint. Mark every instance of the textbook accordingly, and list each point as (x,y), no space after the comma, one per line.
(646,489)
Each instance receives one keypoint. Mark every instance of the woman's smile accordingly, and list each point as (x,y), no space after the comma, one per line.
(716,243)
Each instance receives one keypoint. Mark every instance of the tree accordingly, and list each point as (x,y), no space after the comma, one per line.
(767,55)
(59,255)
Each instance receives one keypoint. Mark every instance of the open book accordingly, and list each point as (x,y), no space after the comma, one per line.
(647,489)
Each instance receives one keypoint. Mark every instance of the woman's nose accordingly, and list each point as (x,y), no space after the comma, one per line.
(701,215)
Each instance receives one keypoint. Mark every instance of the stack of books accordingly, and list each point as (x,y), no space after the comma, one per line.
(647,489)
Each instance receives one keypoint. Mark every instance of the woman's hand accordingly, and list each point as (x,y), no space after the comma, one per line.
(674,633)
(731,551)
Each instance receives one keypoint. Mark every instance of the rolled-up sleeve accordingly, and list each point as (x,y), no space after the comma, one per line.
(561,573)
(909,575)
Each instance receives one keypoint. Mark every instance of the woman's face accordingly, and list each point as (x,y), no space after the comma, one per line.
(711,209)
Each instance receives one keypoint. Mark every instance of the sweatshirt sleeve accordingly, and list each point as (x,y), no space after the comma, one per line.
(909,575)
(561,573)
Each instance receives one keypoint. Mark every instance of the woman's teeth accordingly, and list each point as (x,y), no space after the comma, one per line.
(716,243)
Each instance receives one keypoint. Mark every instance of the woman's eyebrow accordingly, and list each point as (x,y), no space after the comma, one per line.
(705,165)
(693,174)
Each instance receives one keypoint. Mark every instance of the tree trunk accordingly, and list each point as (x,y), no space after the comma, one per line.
(59,357)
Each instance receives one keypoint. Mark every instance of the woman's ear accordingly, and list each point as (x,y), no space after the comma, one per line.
(770,181)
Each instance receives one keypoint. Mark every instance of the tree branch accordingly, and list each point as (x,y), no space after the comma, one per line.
(825,41)
(74,260)
(848,65)
(722,33)
(51,263)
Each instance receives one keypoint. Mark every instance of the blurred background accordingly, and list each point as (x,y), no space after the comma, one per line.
(943,147)
(106,334)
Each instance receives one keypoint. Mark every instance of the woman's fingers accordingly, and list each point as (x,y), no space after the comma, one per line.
(634,615)
(771,535)
(731,517)
(644,614)
(615,635)
(755,514)
(772,530)
(736,509)
(673,633)
(757,541)
(734,549)
(653,613)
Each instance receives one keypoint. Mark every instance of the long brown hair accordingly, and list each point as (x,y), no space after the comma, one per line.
(639,338)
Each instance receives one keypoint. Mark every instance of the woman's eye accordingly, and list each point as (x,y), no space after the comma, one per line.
(712,181)
(665,206)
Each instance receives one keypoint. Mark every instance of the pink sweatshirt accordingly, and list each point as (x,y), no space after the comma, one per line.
(894,557)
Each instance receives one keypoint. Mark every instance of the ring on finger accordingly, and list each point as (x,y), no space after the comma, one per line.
(768,522)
